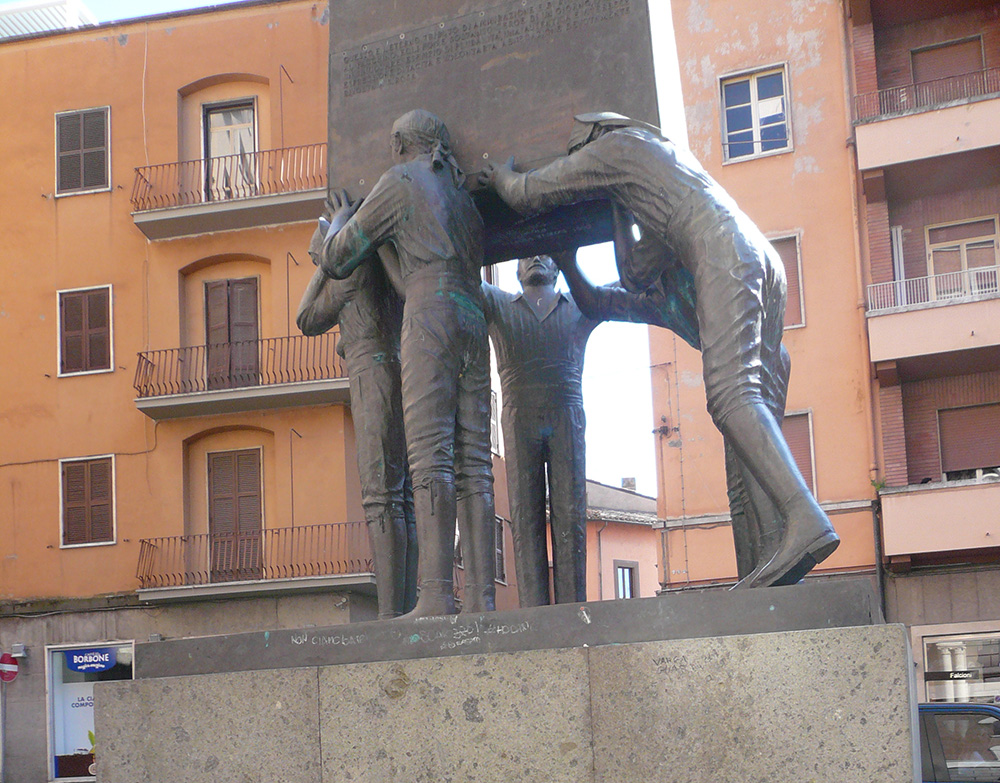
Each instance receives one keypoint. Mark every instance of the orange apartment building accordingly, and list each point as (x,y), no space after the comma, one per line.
(862,138)
(175,458)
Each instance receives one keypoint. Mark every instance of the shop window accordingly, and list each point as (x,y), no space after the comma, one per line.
(788,249)
(500,551)
(85,331)
(626,579)
(82,151)
(962,258)
(797,429)
(230,139)
(72,672)
(962,668)
(755,114)
(87,490)
(970,442)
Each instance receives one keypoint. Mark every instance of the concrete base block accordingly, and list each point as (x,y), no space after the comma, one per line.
(832,704)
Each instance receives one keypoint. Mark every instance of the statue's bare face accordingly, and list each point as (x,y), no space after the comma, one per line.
(537,271)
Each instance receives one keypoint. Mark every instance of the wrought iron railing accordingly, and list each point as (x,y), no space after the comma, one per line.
(230,177)
(271,361)
(283,553)
(925,95)
(920,291)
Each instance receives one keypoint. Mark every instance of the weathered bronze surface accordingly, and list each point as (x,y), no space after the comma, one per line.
(507,76)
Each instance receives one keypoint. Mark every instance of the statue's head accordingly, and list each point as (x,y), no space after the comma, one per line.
(592,125)
(537,271)
(419,132)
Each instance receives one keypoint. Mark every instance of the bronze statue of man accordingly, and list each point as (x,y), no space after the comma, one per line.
(430,240)
(692,229)
(540,336)
(370,315)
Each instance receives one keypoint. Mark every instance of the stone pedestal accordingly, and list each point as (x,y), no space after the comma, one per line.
(831,703)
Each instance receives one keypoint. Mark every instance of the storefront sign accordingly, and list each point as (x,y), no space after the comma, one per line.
(965,674)
(98,659)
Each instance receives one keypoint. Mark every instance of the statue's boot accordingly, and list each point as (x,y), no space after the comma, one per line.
(808,538)
(477,529)
(412,551)
(387,534)
(434,507)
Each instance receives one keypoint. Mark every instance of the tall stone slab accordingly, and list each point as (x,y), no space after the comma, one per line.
(507,78)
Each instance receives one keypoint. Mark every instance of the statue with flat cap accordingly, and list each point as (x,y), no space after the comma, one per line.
(693,234)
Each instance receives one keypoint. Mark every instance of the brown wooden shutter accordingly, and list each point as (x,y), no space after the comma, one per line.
(73,330)
(942,62)
(222,493)
(235,514)
(248,500)
(788,249)
(88,515)
(970,437)
(243,331)
(85,330)
(82,157)
(75,503)
(217,333)
(796,431)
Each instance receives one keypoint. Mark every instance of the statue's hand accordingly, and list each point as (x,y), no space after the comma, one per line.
(494,175)
(565,259)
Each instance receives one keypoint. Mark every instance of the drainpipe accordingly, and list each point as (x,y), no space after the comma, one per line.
(600,570)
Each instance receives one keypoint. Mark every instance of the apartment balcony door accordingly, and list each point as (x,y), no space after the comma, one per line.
(235,515)
(232,333)
(963,258)
(230,151)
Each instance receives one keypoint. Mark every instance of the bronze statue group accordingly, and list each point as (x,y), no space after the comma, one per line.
(400,272)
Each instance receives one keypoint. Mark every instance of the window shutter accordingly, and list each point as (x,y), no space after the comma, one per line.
(942,62)
(98,343)
(101,522)
(796,431)
(970,437)
(788,249)
(217,333)
(82,150)
(69,129)
(72,307)
(243,331)
(222,493)
(248,491)
(75,503)
(88,515)
(94,153)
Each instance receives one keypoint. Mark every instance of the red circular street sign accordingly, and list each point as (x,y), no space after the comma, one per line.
(8,667)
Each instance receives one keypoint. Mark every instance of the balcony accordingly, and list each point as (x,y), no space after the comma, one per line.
(231,192)
(953,313)
(277,372)
(286,559)
(913,98)
(928,120)
(929,521)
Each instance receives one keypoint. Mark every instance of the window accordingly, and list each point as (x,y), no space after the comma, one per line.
(85,331)
(788,249)
(626,579)
(231,332)
(970,442)
(962,668)
(962,258)
(755,119)
(235,515)
(87,491)
(500,552)
(82,151)
(797,429)
(72,672)
(230,147)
